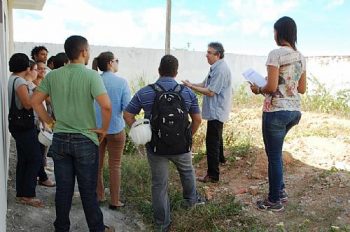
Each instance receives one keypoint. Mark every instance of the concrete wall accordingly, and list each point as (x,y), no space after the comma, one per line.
(4,138)
(140,62)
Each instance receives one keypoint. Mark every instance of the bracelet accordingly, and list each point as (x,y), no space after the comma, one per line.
(52,124)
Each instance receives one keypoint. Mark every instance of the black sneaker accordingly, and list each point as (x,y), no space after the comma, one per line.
(200,200)
(283,196)
(267,205)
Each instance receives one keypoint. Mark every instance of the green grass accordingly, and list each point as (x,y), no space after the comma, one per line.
(224,213)
(321,100)
(221,215)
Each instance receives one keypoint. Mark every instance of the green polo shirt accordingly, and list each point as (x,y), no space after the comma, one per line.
(72,89)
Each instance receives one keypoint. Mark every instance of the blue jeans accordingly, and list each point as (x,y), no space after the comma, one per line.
(160,172)
(275,126)
(75,155)
(28,162)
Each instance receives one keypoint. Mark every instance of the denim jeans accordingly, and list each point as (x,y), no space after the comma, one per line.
(214,146)
(159,165)
(75,155)
(42,173)
(275,126)
(28,162)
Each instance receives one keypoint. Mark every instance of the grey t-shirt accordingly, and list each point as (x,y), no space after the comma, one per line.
(218,81)
(19,81)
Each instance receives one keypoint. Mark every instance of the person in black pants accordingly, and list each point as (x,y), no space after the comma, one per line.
(217,91)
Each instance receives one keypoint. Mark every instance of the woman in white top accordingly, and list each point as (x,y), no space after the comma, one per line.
(33,80)
(286,79)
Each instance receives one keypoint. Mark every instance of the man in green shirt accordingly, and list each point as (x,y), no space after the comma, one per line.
(74,148)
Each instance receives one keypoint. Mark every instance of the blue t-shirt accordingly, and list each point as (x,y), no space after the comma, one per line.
(144,98)
(218,107)
(119,93)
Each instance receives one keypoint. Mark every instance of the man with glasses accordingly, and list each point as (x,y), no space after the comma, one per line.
(217,93)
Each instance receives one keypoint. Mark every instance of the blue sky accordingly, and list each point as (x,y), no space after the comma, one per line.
(243,26)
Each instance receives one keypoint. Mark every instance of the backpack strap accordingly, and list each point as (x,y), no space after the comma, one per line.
(178,88)
(157,88)
(13,99)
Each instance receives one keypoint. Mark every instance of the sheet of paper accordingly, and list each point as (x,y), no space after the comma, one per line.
(253,77)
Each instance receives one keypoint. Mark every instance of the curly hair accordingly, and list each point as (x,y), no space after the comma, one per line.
(35,51)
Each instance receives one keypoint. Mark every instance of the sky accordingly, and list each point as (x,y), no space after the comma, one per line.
(242,26)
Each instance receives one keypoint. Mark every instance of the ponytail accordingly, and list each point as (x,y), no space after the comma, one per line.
(95,63)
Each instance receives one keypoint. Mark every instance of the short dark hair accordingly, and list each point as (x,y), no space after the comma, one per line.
(60,60)
(286,30)
(50,59)
(35,51)
(168,66)
(74,45)
(218,48)
(101,62)
(18,62)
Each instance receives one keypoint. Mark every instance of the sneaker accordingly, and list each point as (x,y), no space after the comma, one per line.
(200,200)
(206,179)
(269,206)
(283,196)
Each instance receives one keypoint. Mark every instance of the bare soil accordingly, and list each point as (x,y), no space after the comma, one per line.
(316,165)
(316,172)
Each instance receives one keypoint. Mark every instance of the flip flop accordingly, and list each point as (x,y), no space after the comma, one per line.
(31,201)
(49,184)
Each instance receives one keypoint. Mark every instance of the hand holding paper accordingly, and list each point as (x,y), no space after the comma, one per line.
(254,78)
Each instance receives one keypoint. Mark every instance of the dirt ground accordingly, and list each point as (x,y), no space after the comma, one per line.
(316,163)
(316,172)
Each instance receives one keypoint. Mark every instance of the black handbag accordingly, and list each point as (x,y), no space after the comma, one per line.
(19,120)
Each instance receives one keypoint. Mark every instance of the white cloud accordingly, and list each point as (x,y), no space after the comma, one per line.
(255,16)
(334,3)
(59,19)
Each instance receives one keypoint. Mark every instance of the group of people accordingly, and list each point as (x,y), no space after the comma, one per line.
(90,111)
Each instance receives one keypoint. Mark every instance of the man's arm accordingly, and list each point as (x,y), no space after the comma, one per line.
(106,112)
(37,103)
(129,118)
(199,88)
(196,122)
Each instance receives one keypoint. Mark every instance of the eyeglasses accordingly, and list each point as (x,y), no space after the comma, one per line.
(211,52)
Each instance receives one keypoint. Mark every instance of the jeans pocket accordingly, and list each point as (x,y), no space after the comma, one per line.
(56,150)
(86,153)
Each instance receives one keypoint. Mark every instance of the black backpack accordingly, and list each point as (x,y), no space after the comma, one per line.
(171,129)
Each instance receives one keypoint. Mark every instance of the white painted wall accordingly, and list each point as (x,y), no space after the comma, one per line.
(4,136)
(140,62)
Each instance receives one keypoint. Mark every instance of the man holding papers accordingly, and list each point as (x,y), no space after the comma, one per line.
(217,91)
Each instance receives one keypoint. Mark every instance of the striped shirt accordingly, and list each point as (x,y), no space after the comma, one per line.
(144,98)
